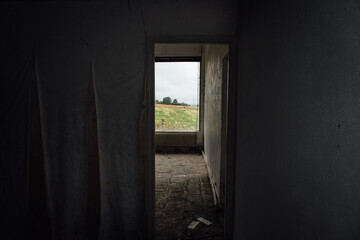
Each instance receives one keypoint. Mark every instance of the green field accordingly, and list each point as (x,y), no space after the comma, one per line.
(174,117)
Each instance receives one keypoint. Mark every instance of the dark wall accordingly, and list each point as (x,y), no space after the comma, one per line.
(63,38)
(298,131)
(213,107)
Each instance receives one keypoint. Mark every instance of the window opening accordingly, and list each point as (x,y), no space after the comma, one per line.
(177,82)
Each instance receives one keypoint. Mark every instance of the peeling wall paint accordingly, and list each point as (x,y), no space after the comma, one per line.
(65,37)
(213,108)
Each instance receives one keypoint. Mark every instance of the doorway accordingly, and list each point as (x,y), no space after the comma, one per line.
(210,143)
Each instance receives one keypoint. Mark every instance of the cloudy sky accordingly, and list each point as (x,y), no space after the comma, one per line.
(178,80)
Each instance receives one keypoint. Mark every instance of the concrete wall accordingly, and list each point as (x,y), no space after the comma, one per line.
(298,131)
(177,50)
(213,112)
(168,141)
(64,38)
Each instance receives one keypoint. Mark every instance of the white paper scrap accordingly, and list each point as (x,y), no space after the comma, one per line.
(204,221)
(193,224)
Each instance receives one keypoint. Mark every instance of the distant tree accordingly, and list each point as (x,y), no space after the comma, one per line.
(175,102)
(167,100)
(157,101)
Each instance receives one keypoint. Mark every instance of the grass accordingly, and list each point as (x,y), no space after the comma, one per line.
(175,117)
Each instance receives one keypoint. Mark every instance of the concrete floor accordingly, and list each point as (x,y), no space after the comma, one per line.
(182,194)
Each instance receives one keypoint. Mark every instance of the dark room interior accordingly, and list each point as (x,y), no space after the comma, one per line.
(77,148)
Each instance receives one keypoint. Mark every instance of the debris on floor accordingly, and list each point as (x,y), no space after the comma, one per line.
(183,195)
(193,224)
(204,221)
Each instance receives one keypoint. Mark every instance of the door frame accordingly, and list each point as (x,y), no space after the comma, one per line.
(147,129)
